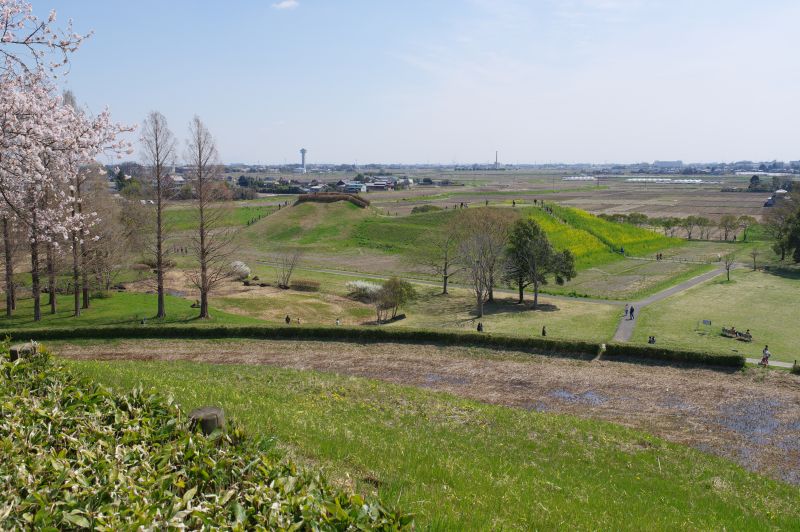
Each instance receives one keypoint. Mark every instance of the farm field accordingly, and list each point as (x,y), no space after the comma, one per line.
(181,218)
(458,463)
(765,303)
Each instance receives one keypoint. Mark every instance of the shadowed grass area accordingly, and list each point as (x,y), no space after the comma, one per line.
(459,464)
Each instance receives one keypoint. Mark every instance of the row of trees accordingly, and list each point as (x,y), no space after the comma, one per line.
(492,246)
(692,227)
(46,145)
(55,206)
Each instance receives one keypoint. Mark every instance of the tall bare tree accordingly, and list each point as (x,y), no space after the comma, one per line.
(158,146)
(439,254)
(481,248)
(211,242)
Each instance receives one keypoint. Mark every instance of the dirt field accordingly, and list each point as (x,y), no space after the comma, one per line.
(751,417)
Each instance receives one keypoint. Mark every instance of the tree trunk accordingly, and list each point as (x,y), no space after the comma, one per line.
(84,274)
(9,258)
(162,313)
(51,279)
(76,276)
(521,285)
(535,295)
(35,288)
(445,278)
(204,260)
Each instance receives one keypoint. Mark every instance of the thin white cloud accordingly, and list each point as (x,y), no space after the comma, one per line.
(286,4)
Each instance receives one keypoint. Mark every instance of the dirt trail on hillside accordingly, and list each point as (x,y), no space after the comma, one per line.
(751,416)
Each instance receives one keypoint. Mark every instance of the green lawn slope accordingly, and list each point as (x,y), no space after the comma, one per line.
(463,465)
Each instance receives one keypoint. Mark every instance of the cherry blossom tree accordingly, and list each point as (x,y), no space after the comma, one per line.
(28,43)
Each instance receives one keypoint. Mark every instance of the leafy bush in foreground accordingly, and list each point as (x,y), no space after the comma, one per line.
(75,455)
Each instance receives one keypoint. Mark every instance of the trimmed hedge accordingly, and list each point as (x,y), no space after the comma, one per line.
(331,197)
(380,334)
(277,332)
(673,355)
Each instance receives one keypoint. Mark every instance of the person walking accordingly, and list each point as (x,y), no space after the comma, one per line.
(631,312)
(480,326)
(765,354)
(338,322)
(627,307)
(544,330)
(288,320)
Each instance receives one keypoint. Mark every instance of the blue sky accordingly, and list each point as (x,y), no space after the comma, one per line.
(451,81)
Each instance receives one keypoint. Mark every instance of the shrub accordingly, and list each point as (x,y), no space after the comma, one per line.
(103,294)
(419,209)
(795,368)
(75,455)
(150,262)
(305,285)
(363,291)
(239,270)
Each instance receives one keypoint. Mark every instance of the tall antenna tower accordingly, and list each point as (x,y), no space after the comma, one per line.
(496,161)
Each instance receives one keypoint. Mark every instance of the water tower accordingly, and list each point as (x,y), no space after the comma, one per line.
(303,159)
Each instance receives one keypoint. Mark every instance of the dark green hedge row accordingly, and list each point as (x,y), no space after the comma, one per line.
(673,355)
(272,332)
(332,197)
(380,334)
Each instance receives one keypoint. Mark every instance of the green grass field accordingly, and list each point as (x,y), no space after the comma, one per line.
(564,319)
(122,308)
(460,464)
(184,218)
(765,303)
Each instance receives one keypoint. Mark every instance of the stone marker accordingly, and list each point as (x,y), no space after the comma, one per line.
(22,350)
(210,418)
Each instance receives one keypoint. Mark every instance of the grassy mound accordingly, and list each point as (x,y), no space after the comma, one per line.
(463,465)
(323,226)
(75,455)
(588,249)
(635,240)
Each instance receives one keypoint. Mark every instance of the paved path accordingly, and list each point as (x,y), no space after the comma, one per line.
(775,363)
(626,326)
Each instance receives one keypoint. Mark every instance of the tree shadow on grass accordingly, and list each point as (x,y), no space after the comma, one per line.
(784,272)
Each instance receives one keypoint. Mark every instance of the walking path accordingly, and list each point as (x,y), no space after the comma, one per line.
(775,363)
(626,326)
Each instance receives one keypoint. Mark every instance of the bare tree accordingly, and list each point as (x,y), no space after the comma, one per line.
(754,253)
(729,263)
(285,266)
(728,224)
(440,254)
(158,145)
(211,242)
(481,248)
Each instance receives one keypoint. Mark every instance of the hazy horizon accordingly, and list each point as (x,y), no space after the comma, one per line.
(450,82)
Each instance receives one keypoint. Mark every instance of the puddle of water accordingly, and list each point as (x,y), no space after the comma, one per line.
(590,397)
(435,378)
(751,418)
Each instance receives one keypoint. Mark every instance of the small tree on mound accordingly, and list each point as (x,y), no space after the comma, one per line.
(393,294)
(286,264)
